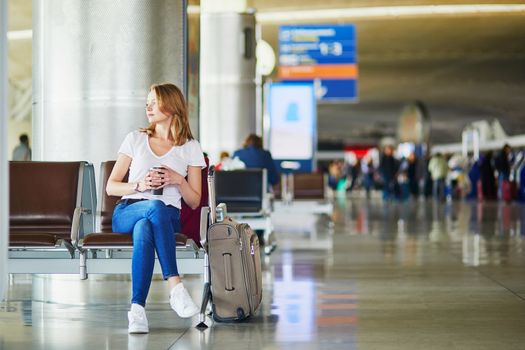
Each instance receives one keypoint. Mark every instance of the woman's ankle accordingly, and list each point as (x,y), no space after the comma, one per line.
(137,308)
(173,281)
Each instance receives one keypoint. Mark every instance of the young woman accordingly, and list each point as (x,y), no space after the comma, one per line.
(152,219)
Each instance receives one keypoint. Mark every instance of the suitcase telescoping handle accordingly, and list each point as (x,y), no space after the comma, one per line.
(211,194)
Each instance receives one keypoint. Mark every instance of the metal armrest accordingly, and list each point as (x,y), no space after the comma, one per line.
(203,226)
(75,225)
(190,244)
(267,204)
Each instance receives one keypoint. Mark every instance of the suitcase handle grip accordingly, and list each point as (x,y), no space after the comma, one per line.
(211,194)
(228,285)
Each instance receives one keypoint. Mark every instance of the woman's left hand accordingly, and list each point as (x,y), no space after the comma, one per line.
(171,177)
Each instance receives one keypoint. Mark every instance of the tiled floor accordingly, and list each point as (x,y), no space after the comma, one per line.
(418,275)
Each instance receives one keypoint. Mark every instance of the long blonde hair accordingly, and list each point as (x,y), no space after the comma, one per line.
(171,102)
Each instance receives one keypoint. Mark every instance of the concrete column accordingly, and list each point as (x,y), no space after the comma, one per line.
(4,164)
(227,113)
(208,6)
(93,63)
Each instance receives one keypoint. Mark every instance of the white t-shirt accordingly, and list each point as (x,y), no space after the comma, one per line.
(178,158)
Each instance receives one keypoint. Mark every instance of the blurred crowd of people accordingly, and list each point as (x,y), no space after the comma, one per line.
(402,176)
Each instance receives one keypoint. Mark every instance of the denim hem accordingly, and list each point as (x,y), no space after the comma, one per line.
(171,275)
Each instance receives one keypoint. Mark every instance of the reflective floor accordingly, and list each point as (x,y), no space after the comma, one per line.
(416,275)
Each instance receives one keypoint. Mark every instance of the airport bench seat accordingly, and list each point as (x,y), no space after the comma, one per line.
(309,186)
(45,204)
(244,193)
(28,239)
(118,246)
(304,193)
(50,207)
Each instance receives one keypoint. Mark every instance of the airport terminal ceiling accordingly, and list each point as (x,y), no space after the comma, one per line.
(463,67)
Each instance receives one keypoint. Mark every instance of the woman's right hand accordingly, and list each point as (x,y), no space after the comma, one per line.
(152,180)
(149,182)
(116,186)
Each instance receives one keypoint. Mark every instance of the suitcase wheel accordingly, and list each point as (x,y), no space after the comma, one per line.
(240,314)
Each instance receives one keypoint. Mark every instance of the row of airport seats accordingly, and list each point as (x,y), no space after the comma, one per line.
(246,196)
(295,204)
(304,209)
(303,193)
(56,226)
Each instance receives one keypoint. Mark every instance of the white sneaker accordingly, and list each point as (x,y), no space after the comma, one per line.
(138,323)
(182,303)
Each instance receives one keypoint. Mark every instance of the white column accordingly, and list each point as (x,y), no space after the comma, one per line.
(4,164)
(223,6)
(93,63)
(227,77)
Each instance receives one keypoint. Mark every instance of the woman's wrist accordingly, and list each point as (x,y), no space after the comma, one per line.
(175,180)
(137,188)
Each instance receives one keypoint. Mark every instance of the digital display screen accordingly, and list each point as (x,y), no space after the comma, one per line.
(292,112)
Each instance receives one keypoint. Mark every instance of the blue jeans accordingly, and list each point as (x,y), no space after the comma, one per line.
(502,178)
(438,189)
(153,226)
(389,188)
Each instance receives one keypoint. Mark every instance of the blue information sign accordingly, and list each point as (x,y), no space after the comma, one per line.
(324,54)
(317,44)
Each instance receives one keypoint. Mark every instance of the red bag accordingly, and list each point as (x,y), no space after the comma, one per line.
(190,219)
(479,190)
(508,188)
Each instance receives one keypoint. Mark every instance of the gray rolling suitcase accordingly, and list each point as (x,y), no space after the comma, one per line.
(235,267)
(234,280)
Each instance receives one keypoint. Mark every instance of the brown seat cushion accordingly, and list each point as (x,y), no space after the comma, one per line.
(32,239)
(308,186)
(60,231)
(119,239)
(107,239)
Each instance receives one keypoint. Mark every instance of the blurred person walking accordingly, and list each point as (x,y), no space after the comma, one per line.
(388,167)
(22,151)
(438,169)
(488,182)
(412,174)
(367,169)
(503,164)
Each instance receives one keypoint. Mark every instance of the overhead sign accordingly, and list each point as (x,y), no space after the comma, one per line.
(324,54)
(293,125)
